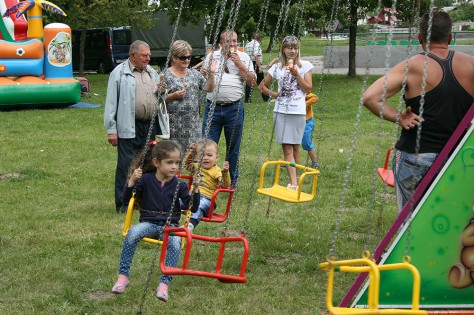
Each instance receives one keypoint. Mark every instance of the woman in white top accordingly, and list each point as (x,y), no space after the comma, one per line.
(295,80)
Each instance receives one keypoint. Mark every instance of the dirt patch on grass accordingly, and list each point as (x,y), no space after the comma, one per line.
(99,295)
(9,176)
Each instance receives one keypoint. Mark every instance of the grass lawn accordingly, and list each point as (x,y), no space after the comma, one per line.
(61,238)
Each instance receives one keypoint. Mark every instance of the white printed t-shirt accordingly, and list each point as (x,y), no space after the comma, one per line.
(291,99)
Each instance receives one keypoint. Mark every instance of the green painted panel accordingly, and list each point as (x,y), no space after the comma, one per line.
(435,244)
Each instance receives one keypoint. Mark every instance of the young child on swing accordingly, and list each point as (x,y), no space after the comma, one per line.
(212,175)
(155,192)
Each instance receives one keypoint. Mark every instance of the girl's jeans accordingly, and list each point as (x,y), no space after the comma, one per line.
(147,229)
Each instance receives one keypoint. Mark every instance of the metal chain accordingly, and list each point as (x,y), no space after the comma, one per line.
(212,107)
(378,140)
(282,8)
(160,99)
(261,17)
(422,103)
(261,22)
(214,17)
(175,30)
(148,279)
(286,17)
(299,13)
(323,92)
(425,72)
(350,160)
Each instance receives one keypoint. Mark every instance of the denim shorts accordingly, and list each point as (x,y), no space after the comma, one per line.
(408,170)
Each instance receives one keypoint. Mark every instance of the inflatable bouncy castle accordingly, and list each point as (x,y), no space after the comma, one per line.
(35,62)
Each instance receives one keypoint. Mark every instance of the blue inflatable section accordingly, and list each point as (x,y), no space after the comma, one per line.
(14,68)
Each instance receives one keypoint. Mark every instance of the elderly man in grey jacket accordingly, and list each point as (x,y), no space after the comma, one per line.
(129,108)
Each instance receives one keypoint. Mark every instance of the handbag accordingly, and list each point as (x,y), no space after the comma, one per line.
(163,119)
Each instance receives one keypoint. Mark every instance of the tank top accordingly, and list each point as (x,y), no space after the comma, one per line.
(445,106)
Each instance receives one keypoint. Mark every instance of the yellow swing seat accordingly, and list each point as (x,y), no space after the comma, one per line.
(128,223)
(282,192)
(365,264)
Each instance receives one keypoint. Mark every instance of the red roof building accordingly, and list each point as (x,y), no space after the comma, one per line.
(386,16)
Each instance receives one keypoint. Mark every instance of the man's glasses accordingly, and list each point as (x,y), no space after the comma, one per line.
(183,58)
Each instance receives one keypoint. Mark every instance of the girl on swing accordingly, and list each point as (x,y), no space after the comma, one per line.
(155,192)
(295,80)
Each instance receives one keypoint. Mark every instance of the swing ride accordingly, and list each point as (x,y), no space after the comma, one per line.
(373,299)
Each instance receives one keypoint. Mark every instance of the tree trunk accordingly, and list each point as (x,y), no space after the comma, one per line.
(352,39)
(270,43)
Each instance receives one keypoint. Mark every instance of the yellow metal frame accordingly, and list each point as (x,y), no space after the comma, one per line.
(365,264)
(281,192)
(128,223)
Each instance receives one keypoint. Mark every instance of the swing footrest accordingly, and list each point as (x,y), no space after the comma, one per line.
(216,217)
(217,274)
(386,176)
(280,192)
(285,194)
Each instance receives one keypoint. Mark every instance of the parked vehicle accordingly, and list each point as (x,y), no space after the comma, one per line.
(159,38)
(105,48)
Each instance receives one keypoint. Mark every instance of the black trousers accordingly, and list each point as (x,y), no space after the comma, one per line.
(127,149)
(248,89)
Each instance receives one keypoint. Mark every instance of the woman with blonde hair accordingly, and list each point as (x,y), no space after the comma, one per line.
(184,87)
(294,78)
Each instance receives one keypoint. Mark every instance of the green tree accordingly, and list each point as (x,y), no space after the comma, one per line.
(86,14)
(248,16)
(463,13)
(348,13)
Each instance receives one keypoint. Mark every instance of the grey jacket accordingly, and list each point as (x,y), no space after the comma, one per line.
(119,111)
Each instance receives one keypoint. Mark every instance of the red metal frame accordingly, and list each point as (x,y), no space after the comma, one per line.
(184,232)
(385,174)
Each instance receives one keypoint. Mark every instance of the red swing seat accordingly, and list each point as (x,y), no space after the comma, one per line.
(385,174)
(217,274)
(219,217)
(213,216)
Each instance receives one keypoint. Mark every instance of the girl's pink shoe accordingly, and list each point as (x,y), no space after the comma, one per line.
(162,292)
(120,285)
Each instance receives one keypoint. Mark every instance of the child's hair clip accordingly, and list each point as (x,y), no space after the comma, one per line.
(152,143)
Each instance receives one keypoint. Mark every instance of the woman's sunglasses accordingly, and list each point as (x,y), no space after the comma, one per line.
(183,58)
(290,39)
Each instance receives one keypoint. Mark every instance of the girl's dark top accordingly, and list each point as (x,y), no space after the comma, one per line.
(445,106)
(155,199)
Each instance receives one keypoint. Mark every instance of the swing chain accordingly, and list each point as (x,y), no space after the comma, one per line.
(379,137)
(351,154)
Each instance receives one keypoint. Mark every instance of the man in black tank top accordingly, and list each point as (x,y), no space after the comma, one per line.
(449,91)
